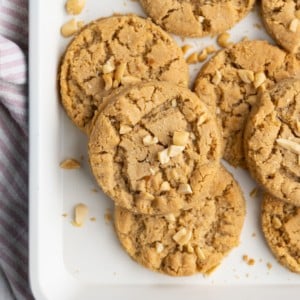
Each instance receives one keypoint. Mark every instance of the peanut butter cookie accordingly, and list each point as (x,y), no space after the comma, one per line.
(155,148)
(229,84)
(272,141)
(196,18)
(281,227)
(113,52)
(282,20)
(190,241)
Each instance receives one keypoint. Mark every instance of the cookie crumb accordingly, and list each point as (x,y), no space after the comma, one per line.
(257,25)
(64,215)
(248,260)
(70,164)
(93,219)
(269,265)
(253,234)
(254,192)
(108,216)
(94,190)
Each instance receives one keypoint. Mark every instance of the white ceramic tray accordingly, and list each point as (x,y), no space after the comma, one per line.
(70,263)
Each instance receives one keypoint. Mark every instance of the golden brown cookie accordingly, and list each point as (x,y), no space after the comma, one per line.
(282,20)
(190,241)
(272,141)
(155,148)
(113,52)
(229,84)
(281,227)
(196,18)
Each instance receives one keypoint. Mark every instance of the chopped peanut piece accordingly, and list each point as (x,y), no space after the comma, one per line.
(201,119)
(174,103)
(75,7)
(163,156)
(222,40)
(289,145)
(108,81)
(109,66)
(276,222)
(210,49)
(202,56)
(182,236)
(150,140)
(297,14)
(125,129)
(185,48)
(69,28)
(159,247)
(129,80)
(246,76)
(70,164)
(170,217)
(192,59)
(294,25)
(165,186)
(180,138)
(201,19)
(146,196)
(119,73)
(259,79)
(175,150)
(217,78)
(185,188)
(193,137)
(199,253)
(81,212)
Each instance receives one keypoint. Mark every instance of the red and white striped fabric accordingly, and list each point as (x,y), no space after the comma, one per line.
(14,282)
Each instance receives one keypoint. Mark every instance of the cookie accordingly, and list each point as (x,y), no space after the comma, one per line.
(229,84)
(281,228)
(272,141)
(190,241)
(113,52)
(196,18)
(282,20)
(155,148)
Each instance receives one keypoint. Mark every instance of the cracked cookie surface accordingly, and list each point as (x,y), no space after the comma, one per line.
(196,18)
(190,241)
(272,141)
(282,20)
(155,148)
(113,52)
(229,84)
(281,228)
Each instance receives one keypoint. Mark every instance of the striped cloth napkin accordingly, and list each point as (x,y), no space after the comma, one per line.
(14,282)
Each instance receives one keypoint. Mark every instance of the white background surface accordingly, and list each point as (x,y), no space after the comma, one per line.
(67,262)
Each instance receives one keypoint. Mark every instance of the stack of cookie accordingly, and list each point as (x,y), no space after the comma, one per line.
(154,146)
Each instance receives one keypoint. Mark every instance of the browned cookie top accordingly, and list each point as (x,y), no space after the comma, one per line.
(113,52)
(229,84)
(281,227)
(282,20)
(272,141)
(196,18)
(155,148)
(190,241)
